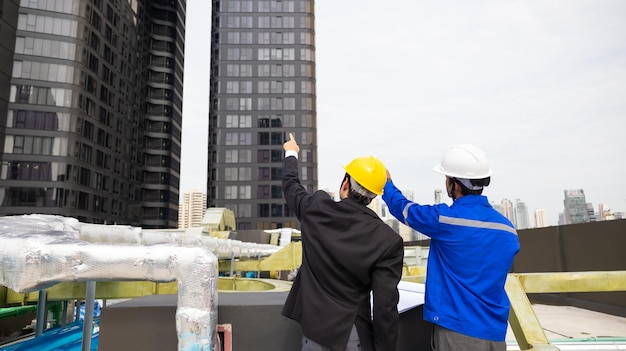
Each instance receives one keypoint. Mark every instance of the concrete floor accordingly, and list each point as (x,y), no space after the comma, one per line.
(567,322)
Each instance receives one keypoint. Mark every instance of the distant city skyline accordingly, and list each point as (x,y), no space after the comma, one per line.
(510,210)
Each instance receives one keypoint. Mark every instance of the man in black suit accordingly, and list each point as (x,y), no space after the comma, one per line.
(348,252)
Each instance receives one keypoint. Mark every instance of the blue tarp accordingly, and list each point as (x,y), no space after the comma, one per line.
(68,338)
(96,310)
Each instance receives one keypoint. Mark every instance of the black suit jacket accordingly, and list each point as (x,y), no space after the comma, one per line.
(347,251)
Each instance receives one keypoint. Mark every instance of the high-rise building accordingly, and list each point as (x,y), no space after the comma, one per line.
(262,88)
(192,209)
(601,212)
(561,218)
(540,218)
(521,215)
(506,208)
(575,207)
(591,214)
(437,196)
(92,125)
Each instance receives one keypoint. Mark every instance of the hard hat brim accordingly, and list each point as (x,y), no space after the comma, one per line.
(439,169)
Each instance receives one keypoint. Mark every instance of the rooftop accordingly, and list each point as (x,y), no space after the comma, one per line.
(573,328)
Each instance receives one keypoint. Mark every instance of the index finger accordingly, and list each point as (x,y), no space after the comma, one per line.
(291,136)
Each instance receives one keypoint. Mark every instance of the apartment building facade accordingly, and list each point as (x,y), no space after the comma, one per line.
(262,88)
(91,128)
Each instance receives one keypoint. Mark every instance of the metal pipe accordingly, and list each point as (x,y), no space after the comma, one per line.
(76,310)
(64,314)
(232,264)
(90,297)
(42,311)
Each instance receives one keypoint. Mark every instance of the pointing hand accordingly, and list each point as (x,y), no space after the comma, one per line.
(291,144)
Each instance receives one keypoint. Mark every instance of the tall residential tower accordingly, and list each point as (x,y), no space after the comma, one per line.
(575,206)
(92,125)
(521,215)
(262,89)
(192,209)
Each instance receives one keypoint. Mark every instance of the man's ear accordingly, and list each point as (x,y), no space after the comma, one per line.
(345,186)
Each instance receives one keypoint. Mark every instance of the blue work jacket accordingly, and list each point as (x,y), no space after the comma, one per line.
(471,252)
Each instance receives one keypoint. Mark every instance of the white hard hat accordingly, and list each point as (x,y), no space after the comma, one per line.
(464,161)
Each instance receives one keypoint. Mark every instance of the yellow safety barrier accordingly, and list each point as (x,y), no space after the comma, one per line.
(286,259)
(525,324)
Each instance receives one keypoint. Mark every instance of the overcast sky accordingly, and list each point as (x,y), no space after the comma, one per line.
(539,85)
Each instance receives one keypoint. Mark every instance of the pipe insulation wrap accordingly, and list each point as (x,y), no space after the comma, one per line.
(39,251)
(222,248)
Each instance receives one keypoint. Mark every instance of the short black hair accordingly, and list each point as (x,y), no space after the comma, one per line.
(363,200)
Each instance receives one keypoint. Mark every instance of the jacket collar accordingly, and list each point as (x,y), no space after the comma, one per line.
(471,200)
(359,207)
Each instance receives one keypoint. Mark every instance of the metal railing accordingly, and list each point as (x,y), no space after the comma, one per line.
(526,326)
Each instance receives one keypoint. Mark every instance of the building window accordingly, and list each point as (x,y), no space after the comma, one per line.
(263,173)
(277,192)
(230,192)
(32,145)
(239,104)
(231,173)
(48,25)
(23,170)
(307,121)
(277,138)
(264,210)
(277,210)
(263,192)
(307,54)
(245,156)
(306,38)
(306,87)
(263,156)
(277,155)
(39,120)
(235,54)
(264,139)
(231,156)
(245,174)
(277,173)
(32,95)
(245,191)
(275,54)
(245,210)
(241,138)
(237,121)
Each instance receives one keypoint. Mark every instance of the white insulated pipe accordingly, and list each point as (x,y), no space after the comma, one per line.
(39,251)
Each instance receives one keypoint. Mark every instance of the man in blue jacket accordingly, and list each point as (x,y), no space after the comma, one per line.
(471,252)
(348,252)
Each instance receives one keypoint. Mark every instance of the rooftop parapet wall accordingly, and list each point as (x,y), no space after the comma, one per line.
(597,246)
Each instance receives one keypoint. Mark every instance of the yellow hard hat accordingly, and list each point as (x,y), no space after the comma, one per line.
(369,172)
